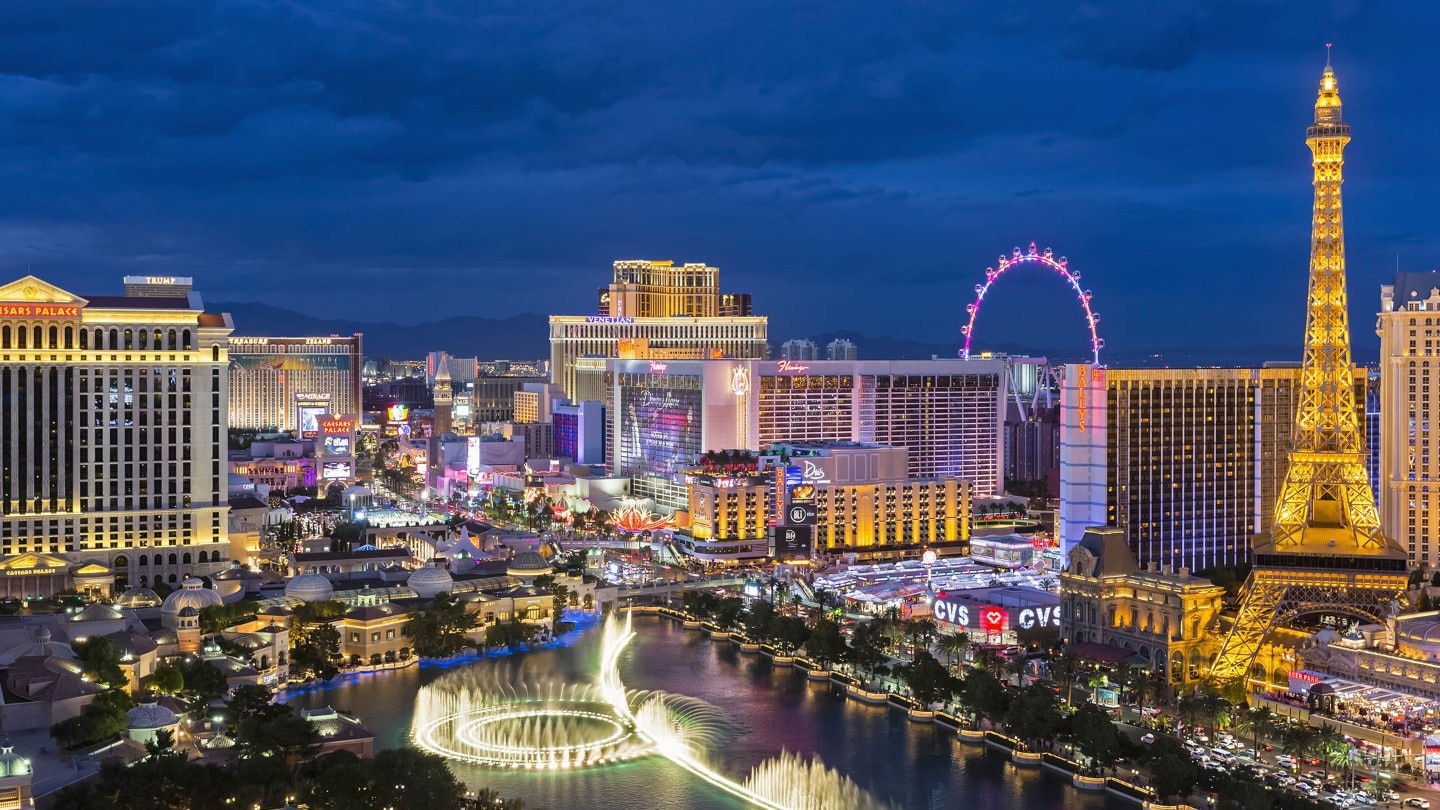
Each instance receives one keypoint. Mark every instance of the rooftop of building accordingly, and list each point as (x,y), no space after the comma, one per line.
(1414,286)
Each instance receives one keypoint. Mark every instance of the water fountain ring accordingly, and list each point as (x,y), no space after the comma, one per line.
(574,726)
(516,736)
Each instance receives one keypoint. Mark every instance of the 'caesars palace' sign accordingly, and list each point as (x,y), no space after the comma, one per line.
(8,310)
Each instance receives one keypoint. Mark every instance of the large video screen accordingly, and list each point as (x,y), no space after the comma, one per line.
(659,424)
(335,470)
(337,445)
(310,420)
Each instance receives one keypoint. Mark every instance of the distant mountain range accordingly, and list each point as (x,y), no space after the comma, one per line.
(519,337)
(526,337)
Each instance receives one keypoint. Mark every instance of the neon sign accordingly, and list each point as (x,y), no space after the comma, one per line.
(608,319)
(740,381)
(39,310)
(791,367)
(658,368)
(992,620)
(1084,376)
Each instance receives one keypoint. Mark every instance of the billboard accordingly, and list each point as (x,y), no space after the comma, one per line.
(1027,622)
(288,362)
(337,446)
(802,510)
(335,470)
(309,420)
(659,428)
(399,412)
(792,543)
(472,456)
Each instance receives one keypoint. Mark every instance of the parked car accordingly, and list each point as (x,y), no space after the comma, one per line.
(1415,801)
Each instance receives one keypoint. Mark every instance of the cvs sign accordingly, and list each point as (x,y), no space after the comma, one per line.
(1038,618)
(951,612)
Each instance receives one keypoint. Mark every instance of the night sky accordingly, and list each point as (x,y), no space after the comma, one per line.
(854,165)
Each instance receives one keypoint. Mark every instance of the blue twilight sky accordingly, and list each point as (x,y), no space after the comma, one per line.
(853,164)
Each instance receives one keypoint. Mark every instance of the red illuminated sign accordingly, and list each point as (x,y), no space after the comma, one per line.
(336,426)
(992,620)
(39,311)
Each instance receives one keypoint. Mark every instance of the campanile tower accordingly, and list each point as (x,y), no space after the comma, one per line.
(1326,551)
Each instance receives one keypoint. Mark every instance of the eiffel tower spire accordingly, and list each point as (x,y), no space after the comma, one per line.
(1326,551)
(1326,504)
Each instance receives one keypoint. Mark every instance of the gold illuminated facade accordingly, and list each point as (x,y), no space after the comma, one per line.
(113,433)
(1409,414)
(1325,551)
(658,289)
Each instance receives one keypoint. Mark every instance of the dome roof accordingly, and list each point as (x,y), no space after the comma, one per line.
(39,644)
(528,564)
(11,763)
(150,715)
(139,598)
(310,588)
(192,593)
(430,581)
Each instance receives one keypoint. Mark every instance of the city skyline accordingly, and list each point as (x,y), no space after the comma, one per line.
(803,161)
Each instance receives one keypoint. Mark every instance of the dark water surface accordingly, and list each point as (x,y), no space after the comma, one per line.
(910,765)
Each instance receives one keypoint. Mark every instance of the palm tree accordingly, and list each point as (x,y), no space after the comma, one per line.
(1340,757)
(987,659)
(954,645)
(1299,742)
(1254,722)
(1066,668)
(1191,710)
(1329,740)
(1015,668)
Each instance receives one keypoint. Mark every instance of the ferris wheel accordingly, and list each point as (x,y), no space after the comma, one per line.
(1033,256)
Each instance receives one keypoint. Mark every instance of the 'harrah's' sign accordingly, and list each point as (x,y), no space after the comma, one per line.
(39,310)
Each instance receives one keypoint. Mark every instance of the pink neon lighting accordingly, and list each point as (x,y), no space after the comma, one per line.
(1033,256)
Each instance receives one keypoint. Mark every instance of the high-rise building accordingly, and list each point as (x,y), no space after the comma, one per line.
(444,404)
(277,381)
(113,438)
(841,349)
(860,501)
(579,429)
(654,310)
(799,349)
(1325,551)
(1185,462)
(1409,414)
(492,399)
(947,414)
(658,289)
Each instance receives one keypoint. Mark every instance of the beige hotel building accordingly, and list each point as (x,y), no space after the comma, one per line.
(652,310)
(112,436)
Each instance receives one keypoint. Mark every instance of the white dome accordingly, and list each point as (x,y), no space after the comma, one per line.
(139,598)
(528,564)
(310,588)
(430,581)
(192,594)
(151,715)
(12,764)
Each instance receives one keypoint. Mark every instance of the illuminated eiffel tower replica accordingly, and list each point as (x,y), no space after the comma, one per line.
(1326,552)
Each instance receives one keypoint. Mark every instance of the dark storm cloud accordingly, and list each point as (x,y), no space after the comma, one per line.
(866,158)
